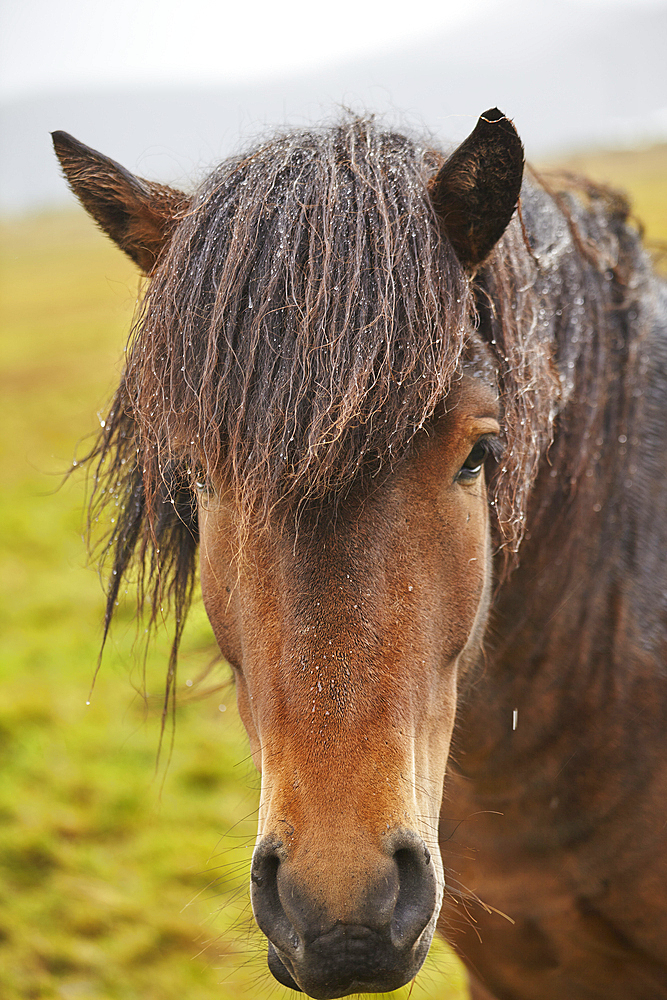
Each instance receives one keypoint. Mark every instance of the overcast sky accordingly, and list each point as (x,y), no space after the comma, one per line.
(51,45)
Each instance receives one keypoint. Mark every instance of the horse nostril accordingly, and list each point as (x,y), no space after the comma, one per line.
(266,904)
(417,893)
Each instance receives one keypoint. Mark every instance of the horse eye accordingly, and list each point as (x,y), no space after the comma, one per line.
(203,486)
(472,466)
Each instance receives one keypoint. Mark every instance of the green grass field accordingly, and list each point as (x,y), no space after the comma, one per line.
(117,882)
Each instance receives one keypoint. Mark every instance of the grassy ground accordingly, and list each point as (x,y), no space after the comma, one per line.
(117,883)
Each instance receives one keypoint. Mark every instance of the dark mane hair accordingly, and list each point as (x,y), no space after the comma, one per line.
(302,326)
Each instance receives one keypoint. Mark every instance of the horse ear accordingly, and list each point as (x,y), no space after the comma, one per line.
(476,190)
(138,215)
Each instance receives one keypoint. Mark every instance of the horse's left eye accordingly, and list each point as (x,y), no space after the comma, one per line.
(472,466)
(203,486)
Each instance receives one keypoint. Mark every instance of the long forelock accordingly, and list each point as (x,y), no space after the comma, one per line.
(306,320)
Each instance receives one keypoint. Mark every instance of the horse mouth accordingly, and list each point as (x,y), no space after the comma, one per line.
(279,970)
(333,973)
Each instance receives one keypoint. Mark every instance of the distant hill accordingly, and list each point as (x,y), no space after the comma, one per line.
(570,75)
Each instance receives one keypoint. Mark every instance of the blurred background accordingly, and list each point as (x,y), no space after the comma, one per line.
(122,876)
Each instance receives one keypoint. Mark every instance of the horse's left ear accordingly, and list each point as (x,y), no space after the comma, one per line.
(476,190)
(138,215)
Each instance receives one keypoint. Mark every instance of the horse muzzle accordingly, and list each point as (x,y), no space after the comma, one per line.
(373,940)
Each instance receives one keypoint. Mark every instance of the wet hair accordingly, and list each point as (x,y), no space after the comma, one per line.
(305,321)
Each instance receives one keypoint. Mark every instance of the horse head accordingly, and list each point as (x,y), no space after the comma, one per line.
(350,614)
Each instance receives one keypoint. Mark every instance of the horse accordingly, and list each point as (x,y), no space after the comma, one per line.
(401,414)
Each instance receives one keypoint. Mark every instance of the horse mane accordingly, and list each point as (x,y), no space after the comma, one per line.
(301,328)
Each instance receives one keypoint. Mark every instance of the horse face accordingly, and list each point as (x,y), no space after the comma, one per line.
(348,637)
(347,640)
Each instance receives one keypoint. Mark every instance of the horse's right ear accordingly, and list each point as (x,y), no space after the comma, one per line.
(476,190)
(138,215)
